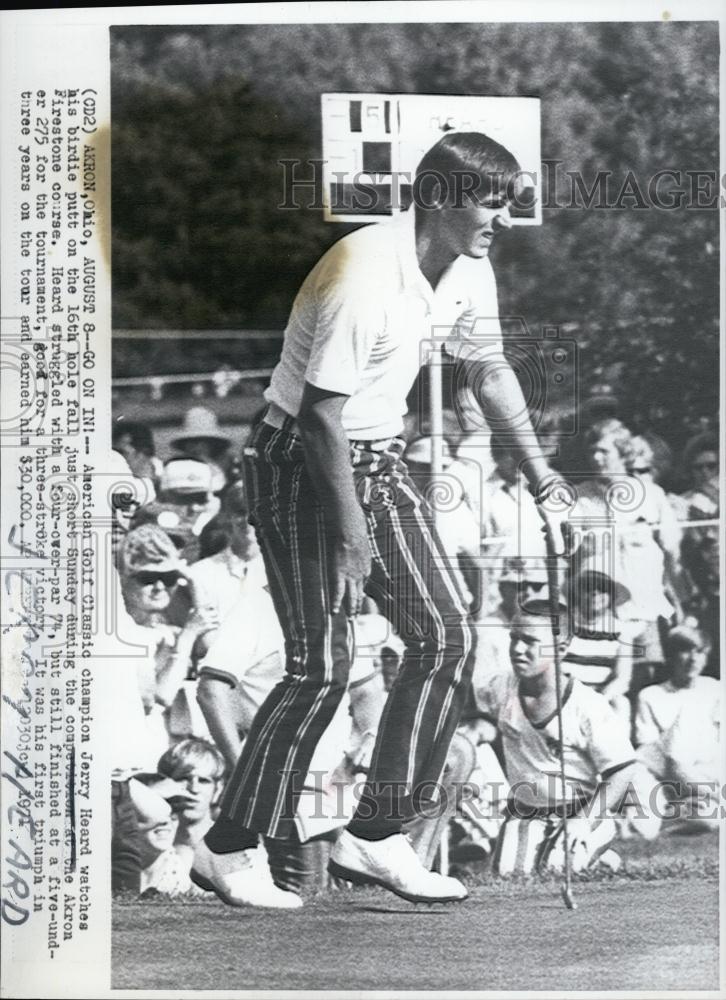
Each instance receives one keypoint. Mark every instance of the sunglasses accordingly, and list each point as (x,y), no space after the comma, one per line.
(183,499)
(528,585)
(641,470)
(147,577)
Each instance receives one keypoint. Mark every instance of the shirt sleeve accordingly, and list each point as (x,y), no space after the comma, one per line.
(348,318)
(607,742)
(491,694)
(477,335)
(668,528)
(248,634)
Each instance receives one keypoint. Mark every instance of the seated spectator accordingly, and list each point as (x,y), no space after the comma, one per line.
(601,648)
(187,484)
(151,571)
(599,759)
(198,768)
(522,580)
(627,523)
(161,868)
(137,733)
(201,438)
(677,727)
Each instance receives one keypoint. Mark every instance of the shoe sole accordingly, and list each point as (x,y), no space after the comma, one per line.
(208,886)
(203,883)
(359,878)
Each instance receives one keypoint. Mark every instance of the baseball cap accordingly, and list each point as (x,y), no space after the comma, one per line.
(186,475)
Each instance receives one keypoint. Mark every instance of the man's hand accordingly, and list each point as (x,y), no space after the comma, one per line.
(350,567)
(553,499)
(327,457)
(202,619)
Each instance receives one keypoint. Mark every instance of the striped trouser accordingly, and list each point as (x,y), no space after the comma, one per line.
(536,844)
(414,588)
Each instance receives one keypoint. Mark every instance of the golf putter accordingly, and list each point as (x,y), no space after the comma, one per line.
(553,591)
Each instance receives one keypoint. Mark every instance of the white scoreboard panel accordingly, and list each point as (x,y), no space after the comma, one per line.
(372,144)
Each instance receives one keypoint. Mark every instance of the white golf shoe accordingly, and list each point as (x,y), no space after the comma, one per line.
(240,878)
(393,864)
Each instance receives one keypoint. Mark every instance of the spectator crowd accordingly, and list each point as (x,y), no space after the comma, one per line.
(638,610)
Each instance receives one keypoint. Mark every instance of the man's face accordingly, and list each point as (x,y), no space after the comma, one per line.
(191,502)
(201,448)
(470,226)
(705,468)
(243,540)
(201,782)
(687,663)
(605,457)
(156,835)
(527,637)
(591,600)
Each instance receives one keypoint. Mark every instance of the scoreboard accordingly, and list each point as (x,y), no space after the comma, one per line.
(372,144)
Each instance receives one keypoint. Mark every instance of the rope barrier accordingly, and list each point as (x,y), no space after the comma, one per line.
(712,522)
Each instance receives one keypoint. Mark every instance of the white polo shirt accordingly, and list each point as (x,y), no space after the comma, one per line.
(360,321)
(594,743)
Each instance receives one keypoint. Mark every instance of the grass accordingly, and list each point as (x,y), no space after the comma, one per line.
(653,925)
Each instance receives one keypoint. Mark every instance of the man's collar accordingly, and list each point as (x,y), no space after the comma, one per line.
(405,235)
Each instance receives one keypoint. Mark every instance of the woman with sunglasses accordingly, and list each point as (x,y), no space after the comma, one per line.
(151,571)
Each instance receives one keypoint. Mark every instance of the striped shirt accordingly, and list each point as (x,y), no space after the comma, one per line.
(592,657)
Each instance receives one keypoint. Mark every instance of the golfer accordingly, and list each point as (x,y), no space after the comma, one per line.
(338,516)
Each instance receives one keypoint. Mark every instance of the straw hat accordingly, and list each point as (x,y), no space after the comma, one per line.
(589,577)
(199,422)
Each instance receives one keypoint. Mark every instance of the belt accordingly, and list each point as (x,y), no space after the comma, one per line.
(276,417)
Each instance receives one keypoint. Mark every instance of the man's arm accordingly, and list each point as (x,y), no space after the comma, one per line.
(612,790)
(502,402)
(327,457)
(215,698)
